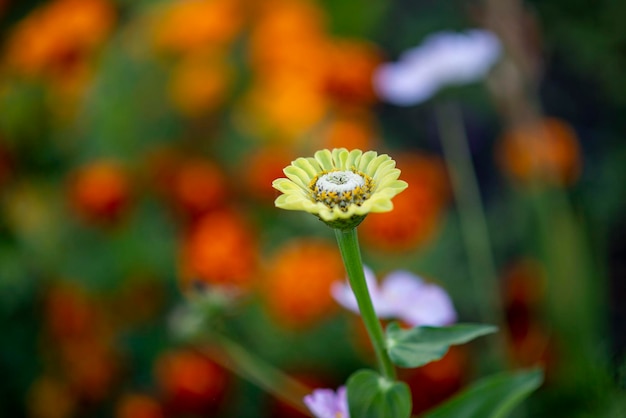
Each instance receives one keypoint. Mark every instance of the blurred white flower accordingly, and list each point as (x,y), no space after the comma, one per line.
(443,59)
(326,403)
(401,295)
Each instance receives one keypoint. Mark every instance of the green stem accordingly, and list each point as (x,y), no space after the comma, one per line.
(351,254)
(574,296)
(238,360)
(472,219)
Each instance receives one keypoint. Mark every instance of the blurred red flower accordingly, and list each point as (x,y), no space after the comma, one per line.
(100,191)
(219,250)
(189,383)
(138,406)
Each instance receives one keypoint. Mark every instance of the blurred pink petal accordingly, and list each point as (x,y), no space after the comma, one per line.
(444,58)
(404,296)
(326,403)
(342,293)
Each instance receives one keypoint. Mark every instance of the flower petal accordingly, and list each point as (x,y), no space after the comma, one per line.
(310,167)
(325,159)
(353,159)
(298,176)
(325,403)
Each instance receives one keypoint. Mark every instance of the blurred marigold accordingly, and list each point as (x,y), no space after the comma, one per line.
(199,84)
(351,66)
(100,191)
(288,56)
(288,36)
(58,35)
(284,108)
(189,383)
(191,25)
(49,397)
(349,129)
(69,313)
(260,168)
(138,406)
(219,250)
(546,150)
(191,184)
(78,336)
(298,279)
(91,366)
(417,211)
(199,186)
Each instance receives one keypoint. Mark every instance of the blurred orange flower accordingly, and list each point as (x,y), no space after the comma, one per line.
(138,406)
(57,36)
(260,168)
(192,184)
(91,367)
(78,336)
(547,150)
(284,108)
(219,250)
(288,36)
(189,382)
(288,56)
(199,83)
(351,65)
(49,397)
(69,313)
(351,129)
(199,185)
(190,25)
(100,191)
(296,284)
(417,211)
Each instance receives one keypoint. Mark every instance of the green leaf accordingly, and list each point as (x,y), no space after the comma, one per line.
(371,395)
(421,345)
(492,397)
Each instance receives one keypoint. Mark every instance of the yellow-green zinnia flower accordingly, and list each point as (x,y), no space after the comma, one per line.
(340,187)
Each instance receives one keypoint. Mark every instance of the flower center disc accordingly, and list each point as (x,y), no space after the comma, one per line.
(342,188)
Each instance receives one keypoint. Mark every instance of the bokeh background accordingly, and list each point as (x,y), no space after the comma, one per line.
(138,142)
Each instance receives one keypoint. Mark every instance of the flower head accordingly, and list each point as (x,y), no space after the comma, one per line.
(404,296)
(443,59)
(326,403)
(340,187)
